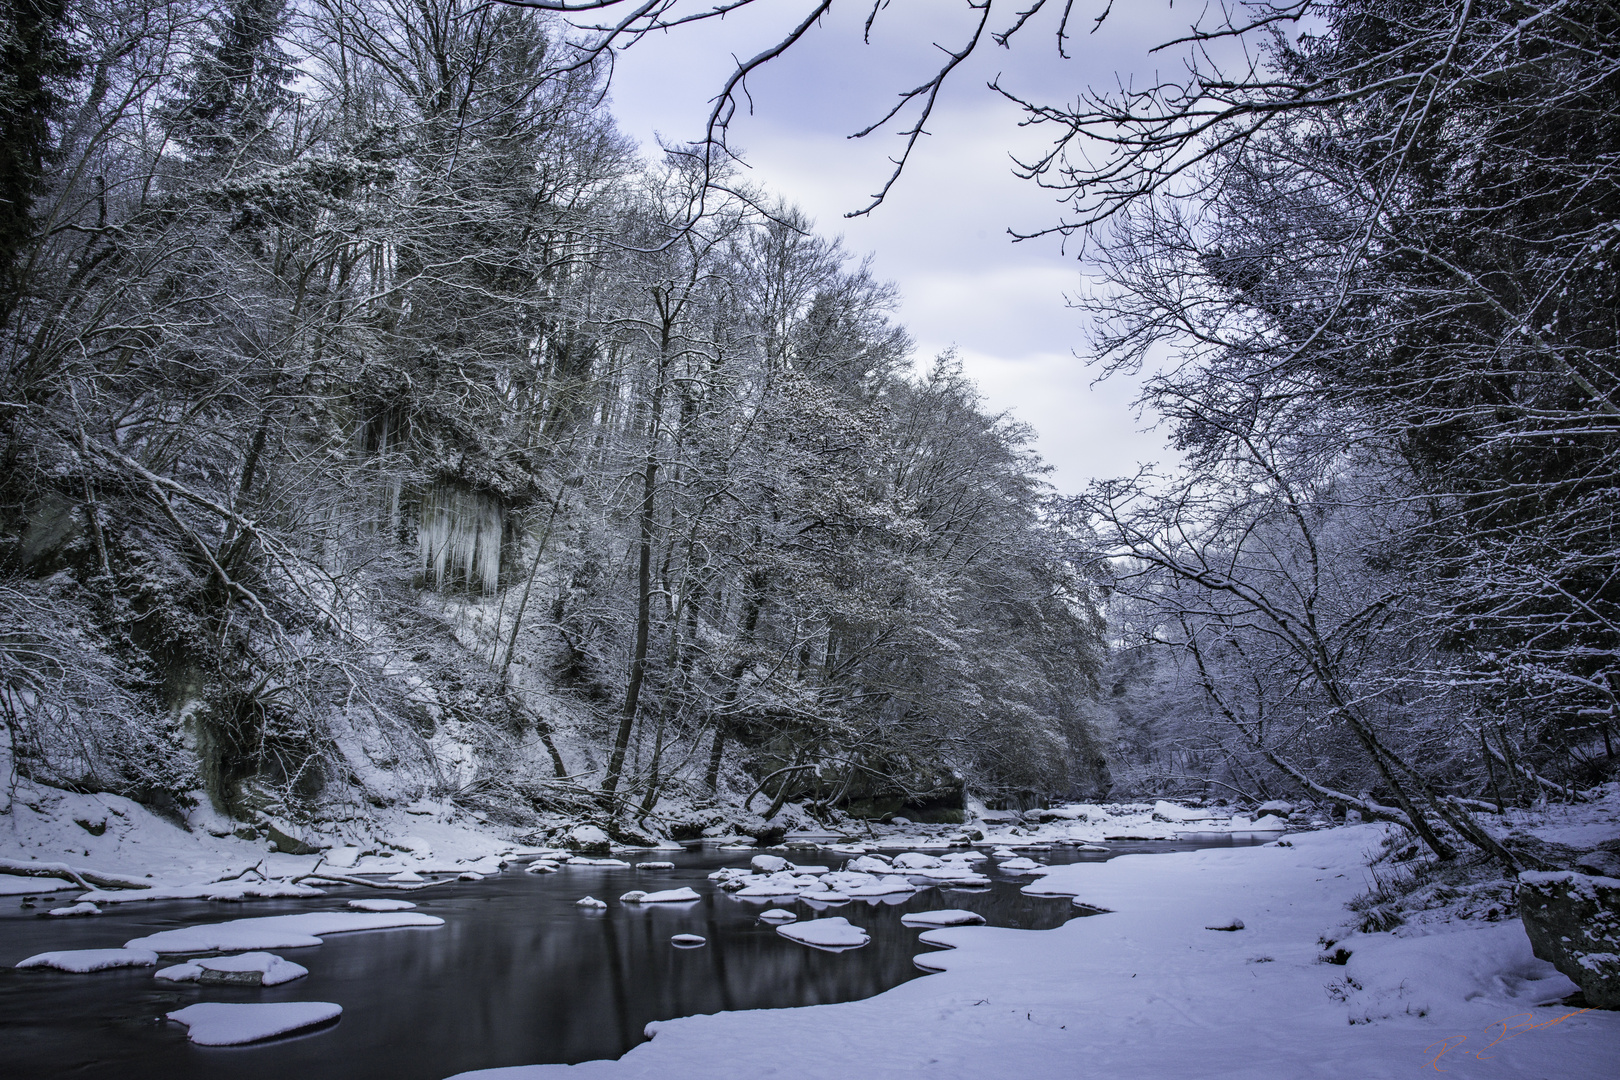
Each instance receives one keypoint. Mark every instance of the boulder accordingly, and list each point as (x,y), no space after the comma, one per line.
(1573,921)
(286,843)
(1276,806)
(1599,863)
(588,839)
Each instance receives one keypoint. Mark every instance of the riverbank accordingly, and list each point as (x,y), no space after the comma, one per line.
(1149,991)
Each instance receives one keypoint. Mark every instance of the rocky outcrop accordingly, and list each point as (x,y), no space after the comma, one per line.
(1573,921)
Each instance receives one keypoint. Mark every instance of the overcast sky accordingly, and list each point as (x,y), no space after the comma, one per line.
(942,234)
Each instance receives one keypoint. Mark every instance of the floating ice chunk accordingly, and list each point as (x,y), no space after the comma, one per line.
(947,917)
(655,866)
(577,861)
(769,864)
(590,902)
(275,931)
(916,860)
(212,1023)
(634,896)
(248,969)
(87,960)
(688,941)
(381,905)
(834,934)
(777,914)
(406,875)
(813,869)
(664,896)
(1004,853)
(82,908)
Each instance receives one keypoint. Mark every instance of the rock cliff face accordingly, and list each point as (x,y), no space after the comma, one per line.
(1573,921)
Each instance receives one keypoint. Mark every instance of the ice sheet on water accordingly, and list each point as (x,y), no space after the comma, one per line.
(212,1023)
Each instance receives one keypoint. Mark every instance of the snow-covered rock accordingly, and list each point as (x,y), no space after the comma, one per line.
(668,896)
(381,905)
(83,961)
(1168,811)
(655,866)
(834,934)
(777,915)
(589,839)
(688,941)
(1275,806)
(916,860)
(406,876)
(769,864)
(590,902)
(1022,866)
(212,1023)
(82,908)
(946,917)
(870,864)
(247,969)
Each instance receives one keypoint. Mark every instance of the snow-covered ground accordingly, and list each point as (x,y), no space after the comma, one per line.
(1146,991)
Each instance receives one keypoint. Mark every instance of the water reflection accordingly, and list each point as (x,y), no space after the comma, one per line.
(518,974)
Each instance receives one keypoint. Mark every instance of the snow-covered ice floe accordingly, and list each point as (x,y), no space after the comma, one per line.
(82,961)
(249,969)
(275,931)
(212,1023)
(381,905)
(655,866)
(777,915)
(947,917)
(834,934)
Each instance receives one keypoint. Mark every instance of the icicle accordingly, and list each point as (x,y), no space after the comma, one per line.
(460,536)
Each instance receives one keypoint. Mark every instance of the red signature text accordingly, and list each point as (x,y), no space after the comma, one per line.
(1505,1029)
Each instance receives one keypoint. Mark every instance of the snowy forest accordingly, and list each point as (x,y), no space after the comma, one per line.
(379,424)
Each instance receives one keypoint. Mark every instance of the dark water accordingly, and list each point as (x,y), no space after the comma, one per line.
(517,975)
